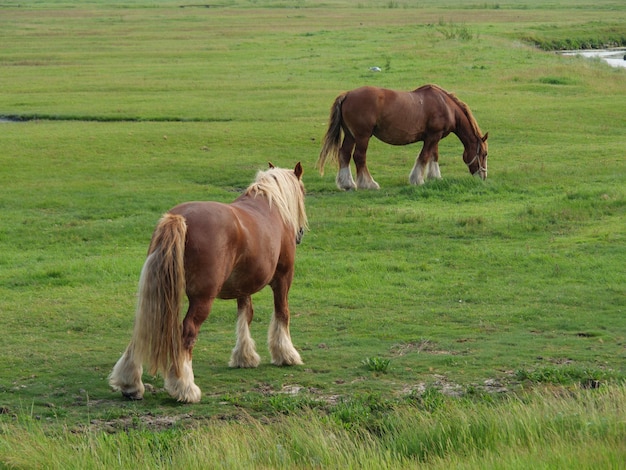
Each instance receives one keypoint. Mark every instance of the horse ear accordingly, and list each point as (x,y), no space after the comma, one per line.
(298,170)
(271,165)
(485,136)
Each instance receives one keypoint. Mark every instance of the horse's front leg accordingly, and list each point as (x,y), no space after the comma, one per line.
(278,337)
(180,384)
(244,354)
(344,178)
(433,166)
(364,179)
(429,152)
(417,173)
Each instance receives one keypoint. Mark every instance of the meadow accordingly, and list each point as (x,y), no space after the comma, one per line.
(459,324)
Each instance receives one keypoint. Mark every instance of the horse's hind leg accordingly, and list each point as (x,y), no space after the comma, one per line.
(181,385)
(364,179)
(344,178)
(278,336)
(126,375)
(244,354)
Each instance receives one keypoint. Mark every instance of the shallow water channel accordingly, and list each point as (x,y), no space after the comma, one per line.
(613,57)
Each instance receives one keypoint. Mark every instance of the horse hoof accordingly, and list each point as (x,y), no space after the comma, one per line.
(348,187)
(244,362)
(373,185)
(134,396)
(190,394)
(184,391)
(286,358)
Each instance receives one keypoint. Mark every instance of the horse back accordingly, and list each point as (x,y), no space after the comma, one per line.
(361,109)
(395,117)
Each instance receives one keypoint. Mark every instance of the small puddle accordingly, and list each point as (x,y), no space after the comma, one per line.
(4,119)
(613,57)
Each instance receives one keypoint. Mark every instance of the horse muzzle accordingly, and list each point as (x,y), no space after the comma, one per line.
(299,236)
(481,173)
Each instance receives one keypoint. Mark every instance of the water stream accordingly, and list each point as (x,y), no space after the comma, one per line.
(613,57)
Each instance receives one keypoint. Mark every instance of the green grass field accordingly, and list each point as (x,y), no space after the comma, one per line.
(445,306)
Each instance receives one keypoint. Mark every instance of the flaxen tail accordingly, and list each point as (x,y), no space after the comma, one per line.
(332,139)
(157,334)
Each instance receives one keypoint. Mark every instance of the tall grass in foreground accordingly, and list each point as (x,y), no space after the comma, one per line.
(544,429)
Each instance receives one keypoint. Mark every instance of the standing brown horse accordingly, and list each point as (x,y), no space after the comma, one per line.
(399,118)
(211,250)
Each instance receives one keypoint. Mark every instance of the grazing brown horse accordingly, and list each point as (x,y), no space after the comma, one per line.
(211,250)
(398,118)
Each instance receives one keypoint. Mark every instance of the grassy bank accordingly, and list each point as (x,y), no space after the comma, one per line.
(543,429)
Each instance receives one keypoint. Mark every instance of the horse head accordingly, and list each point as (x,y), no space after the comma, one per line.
(477,163)
(298,171)
(292,208)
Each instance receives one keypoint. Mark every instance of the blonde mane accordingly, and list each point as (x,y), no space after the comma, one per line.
(284,191)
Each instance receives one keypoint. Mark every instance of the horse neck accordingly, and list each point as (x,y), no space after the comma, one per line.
(259,203)
(252,201)
(465,131)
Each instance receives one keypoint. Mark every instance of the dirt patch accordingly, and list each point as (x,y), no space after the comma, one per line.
(422,346)
(153,423)
(452,389)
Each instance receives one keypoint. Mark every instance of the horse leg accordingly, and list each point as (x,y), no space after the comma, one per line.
(278,337)
(364,179)
(433,166)
(422,161)
(126,375)
(244,354)
(182,386)
(417,174)
(344,178)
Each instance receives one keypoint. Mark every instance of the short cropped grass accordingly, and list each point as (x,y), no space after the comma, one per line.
(488,316)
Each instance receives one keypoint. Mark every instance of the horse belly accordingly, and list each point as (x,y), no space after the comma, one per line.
(396,136)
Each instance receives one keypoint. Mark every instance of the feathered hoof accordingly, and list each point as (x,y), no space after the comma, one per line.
(134,396)
(373,185)
(288,358)
(416,179)
(190,394)
(241,361)
(183,388)
(344,180)
(132,391)
(185,393)
(363,183)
